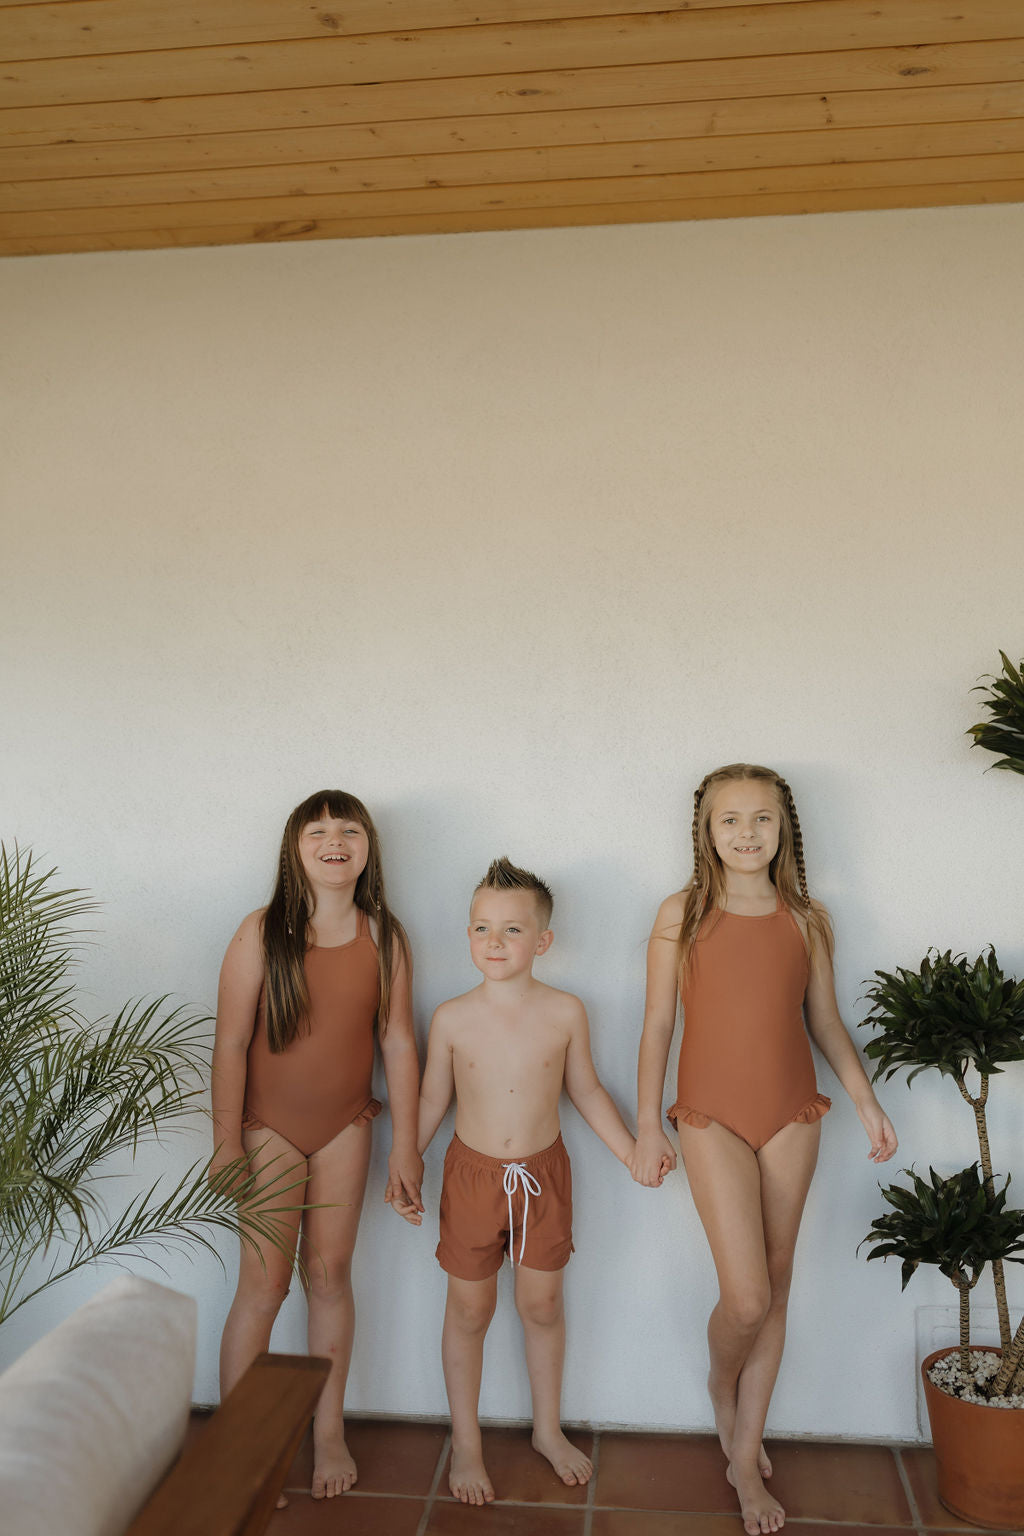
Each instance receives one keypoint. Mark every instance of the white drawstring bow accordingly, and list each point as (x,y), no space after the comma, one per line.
(518,1175)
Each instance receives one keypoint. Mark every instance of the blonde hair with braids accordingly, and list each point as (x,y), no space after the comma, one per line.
(286,921)
(706,891)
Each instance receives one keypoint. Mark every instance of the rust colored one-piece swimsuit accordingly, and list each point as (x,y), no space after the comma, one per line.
(745,1061)
(320,1082)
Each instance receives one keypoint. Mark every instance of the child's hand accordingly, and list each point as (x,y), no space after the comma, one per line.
(880,1132)
(405,1175)
(652,1159)
(229,1168)
(413,1214)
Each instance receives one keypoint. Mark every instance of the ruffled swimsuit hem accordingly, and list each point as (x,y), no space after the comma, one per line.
(815,1109)
(370,1110)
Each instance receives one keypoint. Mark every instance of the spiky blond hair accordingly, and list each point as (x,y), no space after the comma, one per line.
(506,876)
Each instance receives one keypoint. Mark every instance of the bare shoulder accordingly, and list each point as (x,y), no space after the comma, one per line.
(670,917)
(559,1007)
(249,935)
(243,961)
(457,1010)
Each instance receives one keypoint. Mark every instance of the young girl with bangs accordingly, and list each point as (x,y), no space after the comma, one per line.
(305,982)
(750,954)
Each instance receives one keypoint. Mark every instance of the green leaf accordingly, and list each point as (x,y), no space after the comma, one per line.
(73,1094)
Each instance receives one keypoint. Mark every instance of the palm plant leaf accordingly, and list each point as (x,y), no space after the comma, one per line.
(1003,732)
(75,1095)
(185,1216)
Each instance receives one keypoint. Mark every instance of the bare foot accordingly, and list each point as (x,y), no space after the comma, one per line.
(724,1405)
(761,1513)
(334,1471)
(468,1480)
(570,1464)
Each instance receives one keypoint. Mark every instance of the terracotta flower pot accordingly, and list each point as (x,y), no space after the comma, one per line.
(979,1455)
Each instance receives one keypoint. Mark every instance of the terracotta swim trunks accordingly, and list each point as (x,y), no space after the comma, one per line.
(490,1207)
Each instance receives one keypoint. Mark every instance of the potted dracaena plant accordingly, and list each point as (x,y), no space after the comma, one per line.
(965,1020)
(78,1097)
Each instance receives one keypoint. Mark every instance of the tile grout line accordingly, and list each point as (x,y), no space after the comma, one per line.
(588,1513)
(915,1513)
(428,1507)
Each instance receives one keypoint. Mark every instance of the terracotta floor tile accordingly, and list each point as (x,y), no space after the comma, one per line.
(672,1472)
(919,1465)
(392,1456)
(646,1522)
(350,1515)
(451,1519)
(520,1475)
(395,1458)
(856,1483)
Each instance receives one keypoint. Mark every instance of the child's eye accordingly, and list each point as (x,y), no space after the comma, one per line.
(514,930)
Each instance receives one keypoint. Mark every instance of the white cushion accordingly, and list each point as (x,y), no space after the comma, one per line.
(94,1413)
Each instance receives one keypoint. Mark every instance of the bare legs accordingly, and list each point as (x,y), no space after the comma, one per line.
(750,1205)
(335,1176)
(264,1271)
(468,1313)
(539,1304)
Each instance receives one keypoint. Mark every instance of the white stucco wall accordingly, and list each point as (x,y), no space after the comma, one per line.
(516,536)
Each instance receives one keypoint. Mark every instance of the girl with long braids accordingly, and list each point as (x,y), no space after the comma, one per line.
(750,953)
(304,983)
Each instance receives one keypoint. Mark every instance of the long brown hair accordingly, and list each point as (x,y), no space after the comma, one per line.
(286,935)
(706,891)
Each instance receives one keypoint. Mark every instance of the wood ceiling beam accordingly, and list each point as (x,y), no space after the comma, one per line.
(515,167)
(960,169)
(77,28)
(714,120)
(756,206)
(810,26)
(871,69)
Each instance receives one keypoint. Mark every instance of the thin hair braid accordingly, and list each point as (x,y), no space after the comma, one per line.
(798,840)
(287,894)
(698,796)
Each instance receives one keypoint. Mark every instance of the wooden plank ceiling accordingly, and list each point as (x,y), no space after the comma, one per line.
(136,123)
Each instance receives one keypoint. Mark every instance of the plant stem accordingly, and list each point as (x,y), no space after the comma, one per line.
(1012,1366)
(981,1123)
(965,1326)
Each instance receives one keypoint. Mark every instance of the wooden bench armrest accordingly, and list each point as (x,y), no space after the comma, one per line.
(227,1481)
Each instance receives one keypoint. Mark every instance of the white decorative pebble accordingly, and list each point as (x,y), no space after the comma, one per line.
(948,1377)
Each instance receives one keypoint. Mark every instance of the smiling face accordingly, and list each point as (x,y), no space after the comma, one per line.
(333,851)
(505,933)
(744,823)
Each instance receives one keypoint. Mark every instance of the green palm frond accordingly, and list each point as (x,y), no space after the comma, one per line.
(1003,732)
(76,1098)
(949,1014)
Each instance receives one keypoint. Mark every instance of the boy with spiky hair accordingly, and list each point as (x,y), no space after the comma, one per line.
(506,1049)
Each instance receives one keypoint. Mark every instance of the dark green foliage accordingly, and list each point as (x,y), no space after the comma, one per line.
(953,1223)
(1003,731)
(950,1013)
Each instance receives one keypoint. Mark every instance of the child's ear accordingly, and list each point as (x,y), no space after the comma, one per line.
(545,941)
